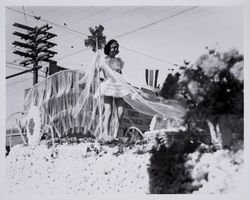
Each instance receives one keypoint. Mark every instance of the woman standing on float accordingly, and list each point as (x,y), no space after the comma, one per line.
(113,96)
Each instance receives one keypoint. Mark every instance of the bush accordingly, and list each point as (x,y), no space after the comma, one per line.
(170,86)
(187,166)
(167,173)
(213,87)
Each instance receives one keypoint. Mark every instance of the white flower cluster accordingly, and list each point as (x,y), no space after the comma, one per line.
(216,172)
(91,168)
(238,70)
(80,168)
(211,64)
(33,127)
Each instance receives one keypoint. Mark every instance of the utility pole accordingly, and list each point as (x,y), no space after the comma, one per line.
(36,47)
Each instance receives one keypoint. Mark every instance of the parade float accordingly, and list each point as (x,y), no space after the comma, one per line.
(168,160)
(71,101)
(158,164)
(68,102)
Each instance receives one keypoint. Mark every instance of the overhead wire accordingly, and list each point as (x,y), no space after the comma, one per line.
(74,53)
(134,60)
(19,93)
(119,36)
(9,63)
(94,14)
(55,14)
(135,51)
(135,30)
(130,32)
(184,23)
(16,82)
(11,67)
(143,65)
(19,69)
(155,22)
(58,26)
(25,18)
(125,34)
(89,16)
(48,21)
(138,29)
(12,62)
(149,56)
(151,24)
(79,51)
(121,15)
(14,67)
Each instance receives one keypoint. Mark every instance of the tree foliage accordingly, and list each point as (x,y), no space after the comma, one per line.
(213,86)
(170,86)
(96,37)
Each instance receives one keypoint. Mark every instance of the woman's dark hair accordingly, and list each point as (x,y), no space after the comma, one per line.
(107,46)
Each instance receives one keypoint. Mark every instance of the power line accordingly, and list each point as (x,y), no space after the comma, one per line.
(148,25)
(17,94)
(18,82)
(135,30)
(119,36)
(74,53)
(55,25)
(11,67)
(120,16)
(50,22)
(155,22)
(140,65)
(155,58)
(25,18)
(133,59)
(10,63)
(94,14)
(185,22)
(122,35)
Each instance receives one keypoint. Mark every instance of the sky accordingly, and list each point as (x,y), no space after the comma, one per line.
(153,37)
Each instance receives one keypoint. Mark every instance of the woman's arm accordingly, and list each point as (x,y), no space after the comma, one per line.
(121,64)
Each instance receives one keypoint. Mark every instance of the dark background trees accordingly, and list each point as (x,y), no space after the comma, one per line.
(213,90)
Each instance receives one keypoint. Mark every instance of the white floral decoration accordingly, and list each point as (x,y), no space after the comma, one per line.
(33,126)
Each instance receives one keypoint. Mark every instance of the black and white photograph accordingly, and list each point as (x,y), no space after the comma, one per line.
(124,99)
